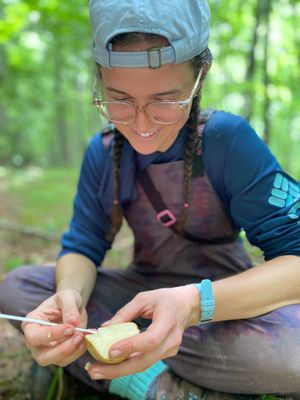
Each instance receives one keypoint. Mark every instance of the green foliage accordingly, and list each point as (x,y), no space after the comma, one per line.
(43,199)
(46,74)
(13,263)
(48,202)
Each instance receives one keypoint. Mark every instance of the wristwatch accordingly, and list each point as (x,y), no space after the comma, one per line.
(207,300)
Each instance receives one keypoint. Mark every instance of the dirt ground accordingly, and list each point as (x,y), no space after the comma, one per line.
(15,367)
(15,364)
(15,360)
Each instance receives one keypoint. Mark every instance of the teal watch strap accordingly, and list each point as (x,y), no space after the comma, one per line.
(207,300)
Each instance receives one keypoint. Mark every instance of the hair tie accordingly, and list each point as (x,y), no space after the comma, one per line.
(186,205)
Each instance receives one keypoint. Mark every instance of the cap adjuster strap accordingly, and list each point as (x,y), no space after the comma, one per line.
(109,48)
(154,58)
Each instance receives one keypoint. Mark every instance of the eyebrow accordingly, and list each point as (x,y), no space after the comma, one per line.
(169,92)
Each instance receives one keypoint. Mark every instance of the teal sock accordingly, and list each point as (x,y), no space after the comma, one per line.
(135,387)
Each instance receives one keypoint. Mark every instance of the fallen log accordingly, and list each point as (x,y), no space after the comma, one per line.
(29,231)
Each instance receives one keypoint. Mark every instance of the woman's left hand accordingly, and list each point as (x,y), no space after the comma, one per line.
(171,310)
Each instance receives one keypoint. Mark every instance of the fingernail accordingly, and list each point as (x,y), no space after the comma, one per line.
(115,353)
(69,331)
(97,376)
(49,335)
(87,366)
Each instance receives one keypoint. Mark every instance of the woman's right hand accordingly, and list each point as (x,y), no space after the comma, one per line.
(59,345)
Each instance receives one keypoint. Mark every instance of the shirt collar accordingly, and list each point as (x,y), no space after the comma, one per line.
(174,153)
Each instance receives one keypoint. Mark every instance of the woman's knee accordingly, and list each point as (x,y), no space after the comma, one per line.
(223,356)
(290,367)
(25,287)
(9,287)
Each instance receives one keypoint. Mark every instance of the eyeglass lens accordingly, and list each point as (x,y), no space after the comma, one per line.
(159,112)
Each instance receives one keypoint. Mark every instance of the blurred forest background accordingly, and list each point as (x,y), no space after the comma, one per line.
(47,117)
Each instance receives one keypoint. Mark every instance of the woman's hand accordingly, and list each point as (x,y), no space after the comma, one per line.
(58,345)
(171,310)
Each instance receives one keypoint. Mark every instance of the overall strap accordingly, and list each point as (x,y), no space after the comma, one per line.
(167,219)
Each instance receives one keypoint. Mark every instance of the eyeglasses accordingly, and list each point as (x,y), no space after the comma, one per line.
(161,112)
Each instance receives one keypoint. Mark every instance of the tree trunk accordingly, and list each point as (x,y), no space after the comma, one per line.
(61,154)
(250,93)
(267,8)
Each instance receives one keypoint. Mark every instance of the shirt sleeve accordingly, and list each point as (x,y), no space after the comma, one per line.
(260,196)
(86,233)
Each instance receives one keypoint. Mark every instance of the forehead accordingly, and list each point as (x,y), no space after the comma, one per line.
(146,81)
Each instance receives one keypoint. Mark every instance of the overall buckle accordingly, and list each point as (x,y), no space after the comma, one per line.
(166,218)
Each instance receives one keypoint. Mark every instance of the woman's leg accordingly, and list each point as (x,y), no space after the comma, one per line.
(257,355)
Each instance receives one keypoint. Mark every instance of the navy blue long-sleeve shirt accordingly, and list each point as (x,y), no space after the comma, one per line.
(259,196)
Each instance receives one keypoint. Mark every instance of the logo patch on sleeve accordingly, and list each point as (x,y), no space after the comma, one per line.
(284,194)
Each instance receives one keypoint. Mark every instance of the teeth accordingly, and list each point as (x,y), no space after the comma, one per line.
(145,134)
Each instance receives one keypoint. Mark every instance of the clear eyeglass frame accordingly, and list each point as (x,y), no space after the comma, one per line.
(174,106)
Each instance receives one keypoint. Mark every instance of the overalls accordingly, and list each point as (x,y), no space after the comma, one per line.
(255,355)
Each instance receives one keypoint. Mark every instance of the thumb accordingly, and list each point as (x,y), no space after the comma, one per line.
(70,304)
(129,312)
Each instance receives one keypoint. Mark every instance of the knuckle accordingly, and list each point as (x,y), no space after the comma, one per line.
(64,351)
(173,352)
(41,360)
(140,296)
(154,340)
(128,347)
(120,313)
(30,341)
(178,341)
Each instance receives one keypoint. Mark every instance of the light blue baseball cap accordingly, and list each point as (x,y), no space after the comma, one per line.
(185,23)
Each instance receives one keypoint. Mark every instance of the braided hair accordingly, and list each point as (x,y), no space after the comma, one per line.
(116,214)
(203,60)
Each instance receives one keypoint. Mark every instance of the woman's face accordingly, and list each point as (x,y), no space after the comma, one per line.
(144,85)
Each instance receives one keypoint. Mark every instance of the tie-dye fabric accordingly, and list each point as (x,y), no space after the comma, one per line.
(256,355)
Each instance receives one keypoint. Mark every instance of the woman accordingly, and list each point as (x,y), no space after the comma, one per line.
(186,183)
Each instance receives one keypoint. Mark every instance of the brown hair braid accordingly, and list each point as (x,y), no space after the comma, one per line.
(116,214)
(203,61)
(137,41)
(190,148)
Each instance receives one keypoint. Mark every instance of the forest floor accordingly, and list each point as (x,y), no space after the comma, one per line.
(28,200)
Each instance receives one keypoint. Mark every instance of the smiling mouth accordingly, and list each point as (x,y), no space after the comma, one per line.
(146,134)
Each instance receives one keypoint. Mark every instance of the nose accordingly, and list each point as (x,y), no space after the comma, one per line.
(142,123)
